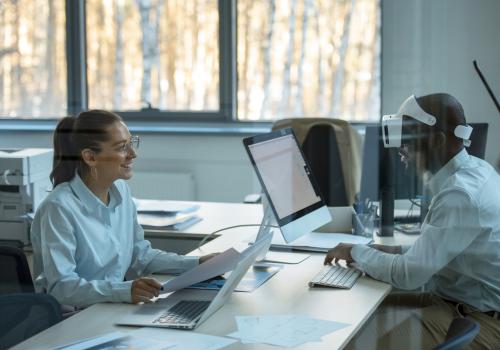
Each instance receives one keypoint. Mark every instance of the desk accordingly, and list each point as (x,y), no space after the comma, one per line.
(286,292)
(215,215)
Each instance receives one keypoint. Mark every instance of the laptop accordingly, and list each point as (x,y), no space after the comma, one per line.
(188,308)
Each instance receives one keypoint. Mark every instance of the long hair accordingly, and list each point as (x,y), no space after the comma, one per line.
(72,136)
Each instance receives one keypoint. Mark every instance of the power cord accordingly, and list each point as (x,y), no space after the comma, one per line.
(228,228)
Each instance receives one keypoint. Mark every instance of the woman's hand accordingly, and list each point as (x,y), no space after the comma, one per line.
(144,289)
(340,252)
(207,257)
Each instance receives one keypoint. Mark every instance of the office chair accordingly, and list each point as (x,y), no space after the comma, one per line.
(461,333)
(26,314)
(15,276)
(332,149)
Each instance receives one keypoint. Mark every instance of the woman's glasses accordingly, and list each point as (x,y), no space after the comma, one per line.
(132,145)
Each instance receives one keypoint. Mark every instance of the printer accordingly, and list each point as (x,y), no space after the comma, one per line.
(24,183)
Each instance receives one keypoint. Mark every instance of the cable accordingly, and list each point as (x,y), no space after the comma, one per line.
(413,202)
(228,228)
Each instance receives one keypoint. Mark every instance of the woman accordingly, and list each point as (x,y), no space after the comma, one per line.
(85,235)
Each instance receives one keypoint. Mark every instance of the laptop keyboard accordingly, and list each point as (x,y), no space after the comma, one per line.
(335,276)
(183,312)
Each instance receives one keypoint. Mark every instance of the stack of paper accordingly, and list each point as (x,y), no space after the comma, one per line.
(177,222)
(167,215)
(153,206)
(283,330)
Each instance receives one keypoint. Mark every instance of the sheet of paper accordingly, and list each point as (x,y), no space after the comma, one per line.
(118,340)
(283,330)
(216,266)
(185,339)
(161,206)
(321,240)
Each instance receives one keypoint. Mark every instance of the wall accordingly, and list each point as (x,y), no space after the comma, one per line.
(429,45)
(220,166)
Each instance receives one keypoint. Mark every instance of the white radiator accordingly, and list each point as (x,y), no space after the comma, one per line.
(163,185)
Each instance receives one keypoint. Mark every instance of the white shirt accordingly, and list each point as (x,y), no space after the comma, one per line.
(457,255)
(83,249)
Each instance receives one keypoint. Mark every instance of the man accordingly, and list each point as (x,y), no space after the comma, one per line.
(456,259)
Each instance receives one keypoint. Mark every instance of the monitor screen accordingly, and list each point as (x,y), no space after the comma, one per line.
(287,181)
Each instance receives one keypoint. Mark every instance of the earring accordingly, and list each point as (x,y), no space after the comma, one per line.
(93,172)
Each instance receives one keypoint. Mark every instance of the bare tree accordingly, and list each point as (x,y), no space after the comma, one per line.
(320,95)
(372,102)
(171,39)
(266,52)
(159,87)
(118,70)
(287,84)
(17,87)
(299,100)
(49,59)
(243,78)
(148,47)
(338,81)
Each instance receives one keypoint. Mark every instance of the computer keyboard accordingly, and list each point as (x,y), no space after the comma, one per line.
(335,276)
(184,312)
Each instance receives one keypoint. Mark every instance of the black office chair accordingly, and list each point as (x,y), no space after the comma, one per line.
(322,153)
(26,314)
(15,276)
(461,333)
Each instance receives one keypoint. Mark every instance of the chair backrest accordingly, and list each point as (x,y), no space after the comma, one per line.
(461,333)
(332,147)
(28,314)
(15,276)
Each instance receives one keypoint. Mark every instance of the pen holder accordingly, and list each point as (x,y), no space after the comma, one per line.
(363,224)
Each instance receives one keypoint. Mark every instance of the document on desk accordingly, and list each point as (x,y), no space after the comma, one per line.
(319,241)
(216,266)
(283,330)
(185,340)
(167,222)
(153,206)
(118,340)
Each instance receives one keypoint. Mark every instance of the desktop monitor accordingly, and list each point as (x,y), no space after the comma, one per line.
(288,183)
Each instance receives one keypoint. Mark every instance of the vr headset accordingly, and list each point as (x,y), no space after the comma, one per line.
(392,125)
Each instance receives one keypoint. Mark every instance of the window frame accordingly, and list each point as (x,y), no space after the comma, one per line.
(77,70)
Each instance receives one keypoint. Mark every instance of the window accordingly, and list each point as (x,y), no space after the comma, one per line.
(159,53)
(301,58)
(32,58)
(226,60)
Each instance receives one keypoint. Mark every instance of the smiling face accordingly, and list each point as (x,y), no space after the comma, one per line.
(116,155)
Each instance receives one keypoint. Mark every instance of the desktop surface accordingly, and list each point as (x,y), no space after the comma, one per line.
(286,293)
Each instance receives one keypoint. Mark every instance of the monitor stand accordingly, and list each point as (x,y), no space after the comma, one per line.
(265,229)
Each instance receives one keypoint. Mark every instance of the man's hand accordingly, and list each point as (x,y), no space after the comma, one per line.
(340,252)
(144,289)
(207,257)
